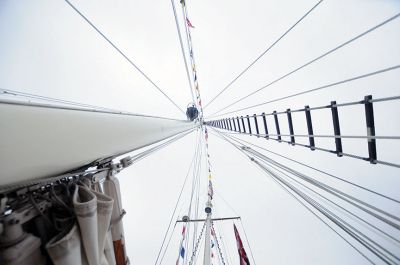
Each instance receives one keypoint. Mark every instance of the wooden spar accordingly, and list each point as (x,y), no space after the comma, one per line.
(39,141)
(212,219)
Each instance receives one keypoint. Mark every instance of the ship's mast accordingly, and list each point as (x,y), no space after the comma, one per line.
(207,241)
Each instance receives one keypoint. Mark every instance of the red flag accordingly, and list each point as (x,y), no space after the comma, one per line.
(242,253)
(189,23)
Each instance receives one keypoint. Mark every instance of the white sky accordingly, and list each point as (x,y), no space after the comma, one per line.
(47,49)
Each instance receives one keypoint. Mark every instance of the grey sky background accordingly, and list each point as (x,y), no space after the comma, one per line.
(47,49)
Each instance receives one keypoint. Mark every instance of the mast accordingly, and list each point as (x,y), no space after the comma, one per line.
(207,241)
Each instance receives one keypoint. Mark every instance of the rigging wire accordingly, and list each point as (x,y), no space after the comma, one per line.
(314,89)
(313,168)
(123,55)
(327,214)
(332,190)
(183,50)
(136,158)
(357,218)
(194,253)
(263,53)
(309,209)
(382,137)
(197,195)
(323,221)
(341,223)
(247,240)
(221,257)
(49,99)
(344,196)
(313,60)
(224,248)
(194,191)
(193,211)
(176,205)
(62,107)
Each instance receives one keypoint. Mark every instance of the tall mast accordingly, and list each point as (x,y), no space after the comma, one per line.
(207,241)
(208,209)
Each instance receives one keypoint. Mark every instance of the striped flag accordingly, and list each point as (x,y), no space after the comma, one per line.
(181,248)
(242,253)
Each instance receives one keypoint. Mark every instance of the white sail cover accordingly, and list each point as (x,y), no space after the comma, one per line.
(39,141)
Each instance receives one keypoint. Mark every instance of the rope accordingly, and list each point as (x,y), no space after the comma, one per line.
(196,176)
(334,218)
(337,205)
(61,107)
(324,222)
(313,168)
(307,207)
(386,137)
(344,196)
(331,190)
(313,90)
(49,99)
(136,158)
(217,242)
(247,241)
(263,53)
(176,206)
(332,106)
(348,242)
(197,245)
(123,55)
(327,214)
(314,60)
(331,151)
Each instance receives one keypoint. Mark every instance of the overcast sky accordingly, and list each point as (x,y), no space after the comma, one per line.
(47,49)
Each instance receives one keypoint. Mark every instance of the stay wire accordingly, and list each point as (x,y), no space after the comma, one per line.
(176,205)
(195,192)
(263,53)
(313,168)
(391,68)
(341,153)
(247,240)
(183,50)
(335,219)
(314,60)
(338,193)
(192,164)
(381,137)
(221,257)
(336,205)
(144,154)
(323,221)
(197,203)
(195,175)
(49,99)
(307,207)
(344,196)
(123,55)
(224,248)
